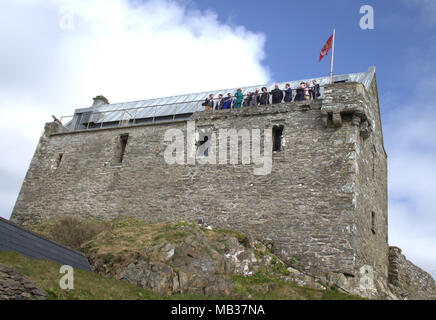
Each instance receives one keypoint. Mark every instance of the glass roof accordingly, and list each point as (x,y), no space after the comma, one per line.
(190,103)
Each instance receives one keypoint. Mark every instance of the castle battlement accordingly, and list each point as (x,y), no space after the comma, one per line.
(102,114)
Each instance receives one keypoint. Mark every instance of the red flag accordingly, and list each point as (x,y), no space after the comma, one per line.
(326,48)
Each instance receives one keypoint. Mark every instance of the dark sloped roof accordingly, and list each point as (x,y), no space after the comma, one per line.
(17,239)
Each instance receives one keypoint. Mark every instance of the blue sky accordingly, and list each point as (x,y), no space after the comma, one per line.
(294,39)
(58,54)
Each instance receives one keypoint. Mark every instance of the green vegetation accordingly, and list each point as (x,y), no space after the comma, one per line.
(241,238)
(91,286)
(108,257)
(70,232)
(117,241)
(263,287)
(87,285)
(279,267)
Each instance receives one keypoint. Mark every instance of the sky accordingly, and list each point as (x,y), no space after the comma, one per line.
(55,55)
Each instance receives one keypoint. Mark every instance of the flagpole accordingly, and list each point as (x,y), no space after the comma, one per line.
(333,56)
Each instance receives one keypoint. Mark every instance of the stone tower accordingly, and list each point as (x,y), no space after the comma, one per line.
(323,204)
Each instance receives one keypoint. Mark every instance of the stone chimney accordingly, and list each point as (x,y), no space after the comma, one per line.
(99,100)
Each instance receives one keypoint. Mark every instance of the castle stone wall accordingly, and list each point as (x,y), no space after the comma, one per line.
(308,204)
(372,211)
(369,174)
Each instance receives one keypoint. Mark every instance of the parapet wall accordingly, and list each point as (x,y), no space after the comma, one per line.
(307,206)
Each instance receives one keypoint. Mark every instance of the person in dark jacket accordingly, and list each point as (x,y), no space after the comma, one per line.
(264,97)
(220,102)
(277,95)
(255,97)
(208,103)
(288,93)
(300,92)
(315,90)
(247,99)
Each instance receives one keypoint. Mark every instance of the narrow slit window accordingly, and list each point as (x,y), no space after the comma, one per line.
(123,145)
(59,159)
(277,133)
(205,151)
(374,154)
(373,222)
(202,141)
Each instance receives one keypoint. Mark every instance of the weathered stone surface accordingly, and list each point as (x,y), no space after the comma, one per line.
(407,280)
(303,280)
(324,203)
(14,286)
(194,265)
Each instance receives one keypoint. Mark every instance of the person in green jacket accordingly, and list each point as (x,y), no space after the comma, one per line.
(239,97)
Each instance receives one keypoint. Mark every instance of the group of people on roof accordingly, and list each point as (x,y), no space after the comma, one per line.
(303,92)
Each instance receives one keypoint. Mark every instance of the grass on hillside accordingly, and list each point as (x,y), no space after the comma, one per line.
(120,238)
(92,286)
(87,285)
(261,287)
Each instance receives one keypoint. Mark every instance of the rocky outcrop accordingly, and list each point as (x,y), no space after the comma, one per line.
(188,258)
(198,263)
(407,280)
(14,286)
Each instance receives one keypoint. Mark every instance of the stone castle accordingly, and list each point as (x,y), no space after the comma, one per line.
(323,205)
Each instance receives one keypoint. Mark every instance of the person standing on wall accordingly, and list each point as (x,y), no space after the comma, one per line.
(277,95)
(255,96)
(247,99)
(220,103)
(264,97)
(227,102)
(239,97)
(208,103)
(288,93)
(300,92)
(315,90)
(307,91)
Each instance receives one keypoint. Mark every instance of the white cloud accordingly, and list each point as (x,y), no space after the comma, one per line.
(122,49)
(410,138)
